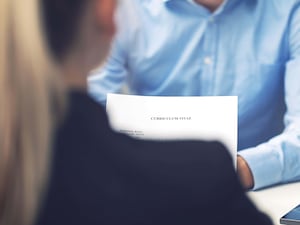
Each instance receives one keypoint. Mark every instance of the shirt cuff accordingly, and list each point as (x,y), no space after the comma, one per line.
(265,166)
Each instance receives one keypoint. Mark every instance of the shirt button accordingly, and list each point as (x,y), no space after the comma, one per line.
(207,60)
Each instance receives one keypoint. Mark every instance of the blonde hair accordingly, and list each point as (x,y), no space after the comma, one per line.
(29,93)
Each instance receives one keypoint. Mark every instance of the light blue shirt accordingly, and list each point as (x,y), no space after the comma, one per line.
(246,48)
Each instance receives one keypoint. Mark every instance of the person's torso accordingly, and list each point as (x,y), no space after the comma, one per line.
(102,177)
(178,48)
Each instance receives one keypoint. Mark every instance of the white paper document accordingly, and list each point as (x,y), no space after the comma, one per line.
(165,118)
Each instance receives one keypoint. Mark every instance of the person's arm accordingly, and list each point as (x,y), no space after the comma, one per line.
(278,160)
(109,78)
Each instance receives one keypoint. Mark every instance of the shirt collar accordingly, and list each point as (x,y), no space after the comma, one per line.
(190,1)
(220,9)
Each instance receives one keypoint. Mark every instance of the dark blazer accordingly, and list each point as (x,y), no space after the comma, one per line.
(101,177)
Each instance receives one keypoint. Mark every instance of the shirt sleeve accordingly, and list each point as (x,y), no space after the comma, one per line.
(278,160)
(110,77)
